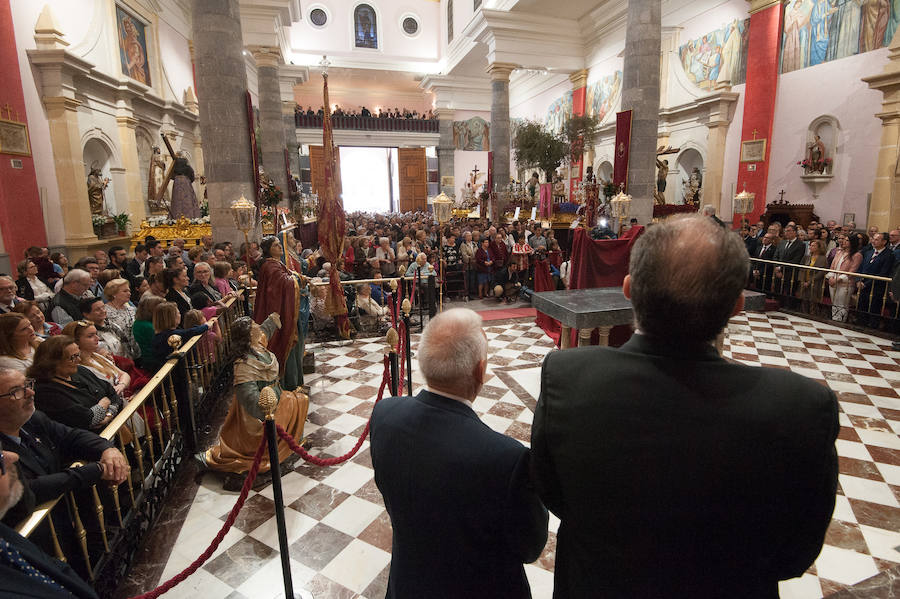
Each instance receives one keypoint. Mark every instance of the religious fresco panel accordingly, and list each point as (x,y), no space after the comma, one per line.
(473,135)
(558,112)
(602,95)
(719,57)
(817,31)
(133,46)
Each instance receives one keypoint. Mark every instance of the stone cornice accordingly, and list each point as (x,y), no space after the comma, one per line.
(266,56)
(761,5)
(370,138)
(459,93)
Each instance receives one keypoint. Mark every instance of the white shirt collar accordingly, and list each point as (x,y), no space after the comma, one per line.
(458,398)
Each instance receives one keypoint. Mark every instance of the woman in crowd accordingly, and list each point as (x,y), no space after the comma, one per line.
(222,274)
(350,254)
(141,286)
(120,313)
(60,264)
(421,267)
(166,320)
(405,254)
(85,335)
(521,252)
(812,282)
(207,344)
(255,367)
(68,392)
(176,282)
(32,311)
(30,287)
(847,260)
(142,329)
(203,283)
(370,312)
(17,341)
(484,266)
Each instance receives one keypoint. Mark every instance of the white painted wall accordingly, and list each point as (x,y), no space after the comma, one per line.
(336,38)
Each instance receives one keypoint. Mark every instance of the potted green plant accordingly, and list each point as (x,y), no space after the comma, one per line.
(536,147)
(122,220)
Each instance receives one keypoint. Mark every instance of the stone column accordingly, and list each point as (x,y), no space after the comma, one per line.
(884,209)
(65,138)
(222,88)
(132,165)
(640,94)
(290,137)
(446,150)
(500,72)
(271,123)
(720,116)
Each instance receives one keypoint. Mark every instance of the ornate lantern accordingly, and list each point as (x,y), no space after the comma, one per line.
(244,214)
(743,202)
(443,205)
(620,206)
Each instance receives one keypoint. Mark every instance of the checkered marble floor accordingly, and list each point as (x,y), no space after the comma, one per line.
(339,532)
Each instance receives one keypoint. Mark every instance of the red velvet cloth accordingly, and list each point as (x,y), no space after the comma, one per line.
(593,263)
(277,292)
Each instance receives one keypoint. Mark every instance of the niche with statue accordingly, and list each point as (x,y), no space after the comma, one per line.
(819,150)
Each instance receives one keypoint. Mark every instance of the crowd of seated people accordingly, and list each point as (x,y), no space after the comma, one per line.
(364,112)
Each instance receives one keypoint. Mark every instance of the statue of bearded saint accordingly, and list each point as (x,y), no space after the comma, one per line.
(96,185)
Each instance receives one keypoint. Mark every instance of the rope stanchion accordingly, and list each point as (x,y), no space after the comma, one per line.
(195,565)
(340,459)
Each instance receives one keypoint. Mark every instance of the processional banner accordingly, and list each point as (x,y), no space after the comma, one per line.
(332,221)
(623,147)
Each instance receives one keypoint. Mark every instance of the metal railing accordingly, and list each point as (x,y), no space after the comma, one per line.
(368,123)
(98,531)
(854,296)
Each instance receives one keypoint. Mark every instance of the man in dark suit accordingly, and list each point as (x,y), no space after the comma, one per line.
(683,475)
(789,250)
(879,262)
(762,271)
(464,513)
(750,242)
(135,266)
(25,570)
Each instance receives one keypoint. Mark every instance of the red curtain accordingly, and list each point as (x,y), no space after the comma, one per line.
(593,263)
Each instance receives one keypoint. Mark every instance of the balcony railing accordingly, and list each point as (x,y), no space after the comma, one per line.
(360,123)
(99,531)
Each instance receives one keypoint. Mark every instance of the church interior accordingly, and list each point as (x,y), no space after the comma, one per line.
(165,134)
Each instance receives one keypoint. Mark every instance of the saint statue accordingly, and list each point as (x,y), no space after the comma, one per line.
(559,186)
(661,175)
(96,184)
(533,185)
(816,156)
(184,200)
(283,291)
(696,176)
(155,182)
(691,187)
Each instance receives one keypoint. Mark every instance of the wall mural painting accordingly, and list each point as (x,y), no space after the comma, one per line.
(602,94)
(719,57)
(817,31)
(133,47)
(558,112)
(365,27)
(473,135)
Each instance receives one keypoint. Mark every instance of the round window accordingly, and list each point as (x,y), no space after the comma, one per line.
(318,17)
(410,26)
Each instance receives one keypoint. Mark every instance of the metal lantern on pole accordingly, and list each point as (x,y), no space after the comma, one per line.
(743,202)
(244,214)
(620,208)
(442,208)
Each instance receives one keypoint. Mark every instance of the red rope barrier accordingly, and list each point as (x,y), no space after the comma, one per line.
(195,565)
(340,459)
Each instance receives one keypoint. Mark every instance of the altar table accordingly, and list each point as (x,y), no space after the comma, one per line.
(585,310)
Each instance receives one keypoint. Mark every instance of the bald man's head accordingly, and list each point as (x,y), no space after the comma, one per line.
(686,276)
(453,353)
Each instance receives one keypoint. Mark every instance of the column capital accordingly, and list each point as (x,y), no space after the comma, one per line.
(500,71)
(127,121)
(444,114)
(265,56)
(61,102)
(579,79)
(761,5)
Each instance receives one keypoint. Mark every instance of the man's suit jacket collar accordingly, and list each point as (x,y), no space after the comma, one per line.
(445,403)
(691,350)
(27,459)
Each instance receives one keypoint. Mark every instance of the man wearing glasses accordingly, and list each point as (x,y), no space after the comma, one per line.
(8,298)
(45,447)
(25,570)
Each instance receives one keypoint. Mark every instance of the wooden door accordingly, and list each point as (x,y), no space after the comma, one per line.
(317,166)
(413,177)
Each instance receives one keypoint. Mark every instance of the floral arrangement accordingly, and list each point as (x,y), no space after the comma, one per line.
(156,221)
(270,194)
(98,220)
(808,164)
